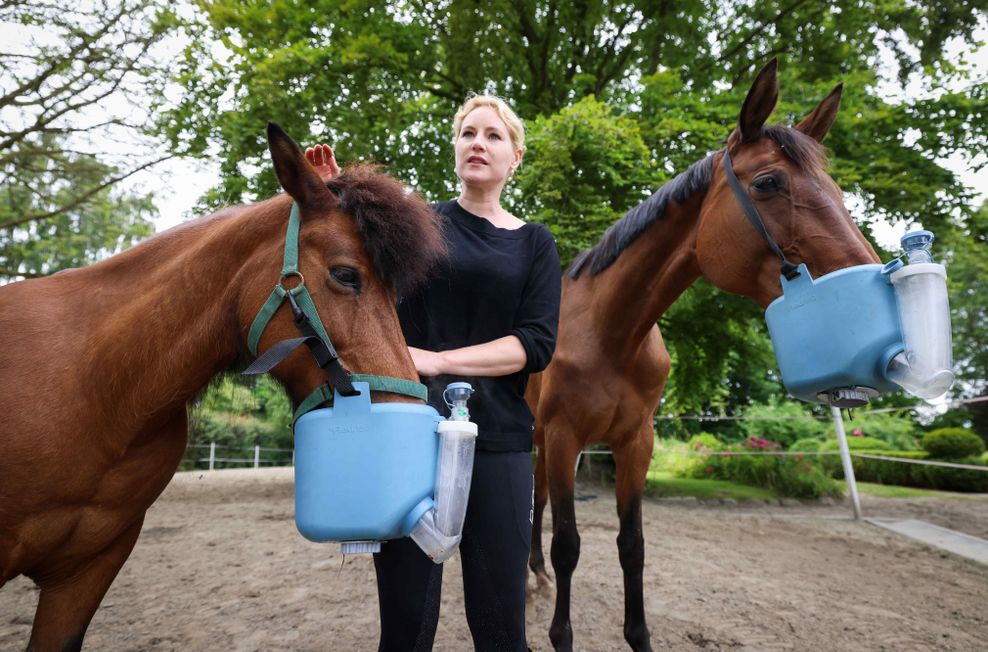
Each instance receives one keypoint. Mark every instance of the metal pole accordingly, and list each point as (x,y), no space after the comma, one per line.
(845,458)
(257,456)
(212,454)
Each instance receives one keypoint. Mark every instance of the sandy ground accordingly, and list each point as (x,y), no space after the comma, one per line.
(219,566)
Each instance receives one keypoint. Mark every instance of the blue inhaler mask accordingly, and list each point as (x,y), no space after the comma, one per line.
(864,330)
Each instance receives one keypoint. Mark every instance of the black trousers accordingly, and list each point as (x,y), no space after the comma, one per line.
(497,536)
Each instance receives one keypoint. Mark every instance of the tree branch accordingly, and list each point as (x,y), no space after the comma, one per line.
(43,121)
(81,199)
(87,41)
(655,52)
(4,271)
(757,31)
(601,74)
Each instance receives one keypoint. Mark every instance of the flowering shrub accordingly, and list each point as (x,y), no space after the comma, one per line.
(897,431)
(760,444)
(783,422)
(795,476)
(705,442)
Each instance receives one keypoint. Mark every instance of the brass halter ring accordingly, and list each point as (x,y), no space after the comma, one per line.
(301,280)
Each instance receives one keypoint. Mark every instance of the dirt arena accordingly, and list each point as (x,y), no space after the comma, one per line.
(219,566)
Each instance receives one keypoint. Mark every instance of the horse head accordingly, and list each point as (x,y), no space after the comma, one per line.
(362,239)
(783,172)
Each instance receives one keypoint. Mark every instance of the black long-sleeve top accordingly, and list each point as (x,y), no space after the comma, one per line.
(496,282)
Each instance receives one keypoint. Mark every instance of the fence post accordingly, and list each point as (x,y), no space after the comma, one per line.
(212,454)
(257,456)
(845,458)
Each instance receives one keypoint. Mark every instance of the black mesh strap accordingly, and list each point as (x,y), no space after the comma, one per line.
(789,270)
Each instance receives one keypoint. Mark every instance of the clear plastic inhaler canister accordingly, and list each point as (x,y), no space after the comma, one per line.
(924,366)
(439,531)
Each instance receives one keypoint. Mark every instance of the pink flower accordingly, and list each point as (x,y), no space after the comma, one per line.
(758,442)
(857,432)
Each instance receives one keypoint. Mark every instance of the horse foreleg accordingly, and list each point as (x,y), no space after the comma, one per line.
(66,605)
(631,462)
(536,558)
(565,550)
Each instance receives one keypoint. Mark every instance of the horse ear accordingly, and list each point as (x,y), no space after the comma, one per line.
(818,123)
(760,103)
(295,175)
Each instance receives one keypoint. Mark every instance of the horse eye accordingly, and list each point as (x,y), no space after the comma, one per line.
(767,183)
(346,276)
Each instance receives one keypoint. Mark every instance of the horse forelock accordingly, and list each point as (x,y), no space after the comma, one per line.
(620,235)
(799,148)
(401,233)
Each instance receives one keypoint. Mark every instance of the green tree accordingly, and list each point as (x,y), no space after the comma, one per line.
(381,79)
(71,85)
(966,260)
(719,363)
(617,96)
(585,168)
(239,413)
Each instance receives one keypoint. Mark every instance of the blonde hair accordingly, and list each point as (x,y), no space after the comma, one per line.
(516,130)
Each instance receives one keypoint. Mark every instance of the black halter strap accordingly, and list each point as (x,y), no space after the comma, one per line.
(322,350)
(789,270)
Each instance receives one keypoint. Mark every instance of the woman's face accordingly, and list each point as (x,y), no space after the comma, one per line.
(485,156)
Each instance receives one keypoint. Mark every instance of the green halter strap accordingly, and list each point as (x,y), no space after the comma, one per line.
(314,335)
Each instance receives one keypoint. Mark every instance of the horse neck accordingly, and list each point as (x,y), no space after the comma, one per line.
(632,294)
(165,320)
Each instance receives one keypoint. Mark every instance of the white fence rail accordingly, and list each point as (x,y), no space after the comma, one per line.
(239,456)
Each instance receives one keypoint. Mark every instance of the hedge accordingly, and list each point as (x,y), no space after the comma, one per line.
(952,443)
(911,475)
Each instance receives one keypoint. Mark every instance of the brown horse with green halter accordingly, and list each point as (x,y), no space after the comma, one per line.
(99,363)
(606,377)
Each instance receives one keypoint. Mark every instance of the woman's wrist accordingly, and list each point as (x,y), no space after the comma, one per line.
(499,357)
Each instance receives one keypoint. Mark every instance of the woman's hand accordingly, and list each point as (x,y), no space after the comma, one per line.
(324,161)
(427,363)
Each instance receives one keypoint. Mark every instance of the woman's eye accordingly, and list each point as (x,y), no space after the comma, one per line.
(346,276)
(768,183)
(495,136)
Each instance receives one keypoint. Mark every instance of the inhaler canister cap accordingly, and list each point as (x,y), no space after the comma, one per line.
(916,239)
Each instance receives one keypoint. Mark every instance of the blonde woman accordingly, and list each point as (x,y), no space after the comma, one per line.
(488,317)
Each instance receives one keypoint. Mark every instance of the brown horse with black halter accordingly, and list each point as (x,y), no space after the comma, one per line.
(98,363)
(610,365)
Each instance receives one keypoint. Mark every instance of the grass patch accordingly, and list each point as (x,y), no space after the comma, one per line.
(661,484)
(889,490)
(895,491)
